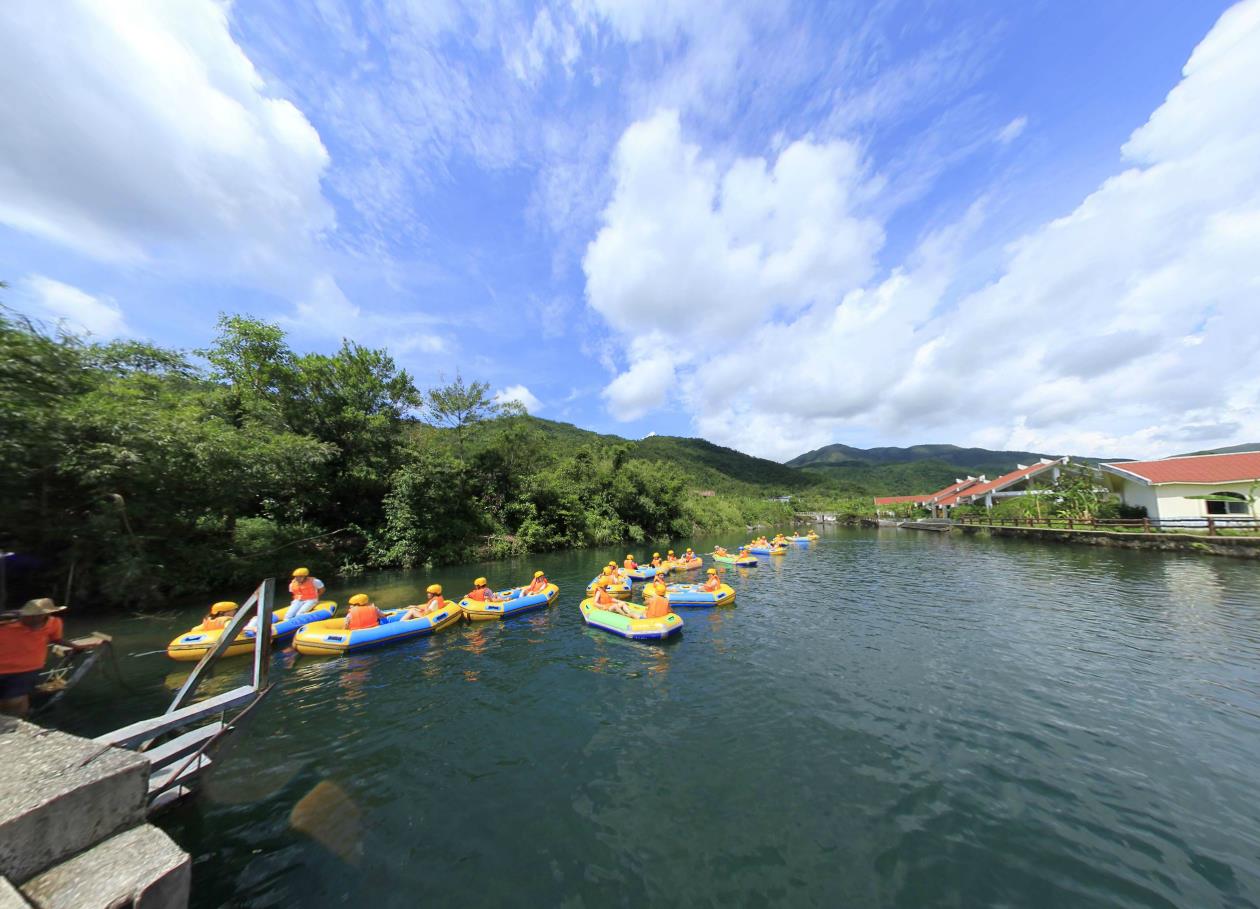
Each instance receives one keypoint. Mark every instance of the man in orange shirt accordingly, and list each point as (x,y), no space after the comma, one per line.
(24,641)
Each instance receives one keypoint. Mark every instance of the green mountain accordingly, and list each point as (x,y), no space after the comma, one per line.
(963,458)
(708,466)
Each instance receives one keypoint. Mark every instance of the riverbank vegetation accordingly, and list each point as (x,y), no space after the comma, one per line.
(131,473)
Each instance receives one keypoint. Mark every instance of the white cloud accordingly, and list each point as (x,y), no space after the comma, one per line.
(75,309)
(1012,131)
(137,130)
(1128,326)
(690,249)
(521,395)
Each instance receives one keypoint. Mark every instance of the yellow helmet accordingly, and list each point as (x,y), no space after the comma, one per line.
(223,606)
(301,572)
(608,569)
(538,574)
(359,599)
(656,555)
(433,588)
(629,555)
(712,571)
(671,552)
(479,582)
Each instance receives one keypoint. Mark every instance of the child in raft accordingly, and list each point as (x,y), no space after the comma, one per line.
(720,551)
(435,602)
(656,560)
(482,592)
(363,613)
(608,603)
(629,564)
(218,617)
(537,585)
(713,583)
(656,602)
(744,553)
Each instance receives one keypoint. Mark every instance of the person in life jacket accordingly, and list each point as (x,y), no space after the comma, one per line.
(218,617)
(670,556)
(713,583)
(689,555)
(537,585)
(745,552)
(656,602)
(630,564)
(609,575)
(482,593)
(719,550)
(363,613)
(607,602)
(305,591)
(656,560)
(434,603)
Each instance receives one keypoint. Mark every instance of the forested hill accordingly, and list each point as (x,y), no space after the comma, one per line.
(706,465)
(963,458)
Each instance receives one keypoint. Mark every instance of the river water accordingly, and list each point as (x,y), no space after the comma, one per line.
(885,719)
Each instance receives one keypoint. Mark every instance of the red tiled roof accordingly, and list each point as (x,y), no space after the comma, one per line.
(1205,469)
(1014,476)
(939,497)
(898,500)
(952,490)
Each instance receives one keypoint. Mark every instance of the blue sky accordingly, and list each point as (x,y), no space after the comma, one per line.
(772,225)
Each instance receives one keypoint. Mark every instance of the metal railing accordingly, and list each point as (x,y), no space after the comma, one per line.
(1211,525)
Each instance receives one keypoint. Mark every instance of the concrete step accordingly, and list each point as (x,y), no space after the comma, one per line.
(10,898)
(141,868)
(59,794)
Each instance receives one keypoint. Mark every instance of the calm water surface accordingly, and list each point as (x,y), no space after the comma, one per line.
(886,719)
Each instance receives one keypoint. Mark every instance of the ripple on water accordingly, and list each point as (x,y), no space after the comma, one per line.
(884,719)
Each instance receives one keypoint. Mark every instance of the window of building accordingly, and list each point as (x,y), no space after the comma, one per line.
(1223,503)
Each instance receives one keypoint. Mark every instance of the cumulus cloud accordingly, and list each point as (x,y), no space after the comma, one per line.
(1110,330)
(689,247)
(520,395)
(138,130)
(77,310)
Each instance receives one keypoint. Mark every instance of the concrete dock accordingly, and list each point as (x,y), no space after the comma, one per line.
(72,826)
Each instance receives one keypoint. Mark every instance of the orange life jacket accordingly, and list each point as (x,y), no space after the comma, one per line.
(538,585)
(630,564)
(603,597)
(435,602)
(304,589)
(712,584)
(481,594)
(362,617)
(657,607)
(211,623)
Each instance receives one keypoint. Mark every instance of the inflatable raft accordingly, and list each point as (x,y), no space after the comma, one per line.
(802,540)
(513,604)
(642,573)
(637,629)
(330,637)
(767,550)
(750,562)
(620,589)
(689,564)
(693,595)
(193,644)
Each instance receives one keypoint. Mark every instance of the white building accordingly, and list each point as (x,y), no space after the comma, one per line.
(1221,486)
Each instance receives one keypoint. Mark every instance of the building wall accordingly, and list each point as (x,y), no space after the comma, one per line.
(1169,501)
